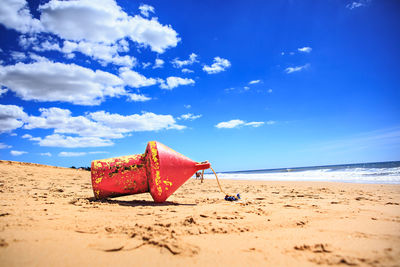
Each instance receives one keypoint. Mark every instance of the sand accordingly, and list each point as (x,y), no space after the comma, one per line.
(48,218)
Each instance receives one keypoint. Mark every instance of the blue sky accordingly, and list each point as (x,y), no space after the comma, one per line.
(243,84)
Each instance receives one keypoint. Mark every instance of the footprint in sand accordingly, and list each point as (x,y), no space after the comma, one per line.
(317,248)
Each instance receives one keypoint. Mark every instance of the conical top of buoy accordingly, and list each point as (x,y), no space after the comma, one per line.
(160,171)
(168,170)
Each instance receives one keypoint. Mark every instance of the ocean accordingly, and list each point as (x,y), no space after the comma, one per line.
(375,172)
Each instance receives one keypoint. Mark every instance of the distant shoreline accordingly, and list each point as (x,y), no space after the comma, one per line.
(361,173)
(388,164)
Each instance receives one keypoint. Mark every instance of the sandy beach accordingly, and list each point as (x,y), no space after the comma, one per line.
(49,218)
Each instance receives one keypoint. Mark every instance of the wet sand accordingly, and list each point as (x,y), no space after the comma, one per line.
(49,218)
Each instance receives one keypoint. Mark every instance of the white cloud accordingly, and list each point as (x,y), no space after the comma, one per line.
(135,79)
(298,68)
(71,154)
(246,88)
(271,122)
(18,56)
(305,49)
(63,123)
(104,53)
(17,153)
(11,117)
(26,40)
(48,154)
(254,124)
(187,106)
(189,116)
(269,91)
(49,81)
(355,4)
(39,47)
(146,9)
(238,123)
(137,97)
(220,64)
(145,65)
(4,146)
(70,55)
(91,134)
(104,22)
(97,152)
(3,91)
(180,63)
(172,82)
(187,70)
(255,82)
(230,124)
(159,63)
(95,129)
(56,140)
(15,14)
(135,123)
(123,45)
(37,58)
(151,33)
(78,154)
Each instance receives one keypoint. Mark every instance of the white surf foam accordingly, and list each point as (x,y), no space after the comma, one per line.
(354,175)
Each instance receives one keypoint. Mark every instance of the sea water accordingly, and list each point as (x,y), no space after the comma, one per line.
(377,172)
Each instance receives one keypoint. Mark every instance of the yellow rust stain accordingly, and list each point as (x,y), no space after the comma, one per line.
(110,160)
(97,164)
(154,154)
(158,182)
(98,180)
(168,183)
(117,160)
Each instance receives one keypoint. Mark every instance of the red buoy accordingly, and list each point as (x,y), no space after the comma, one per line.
(160,171)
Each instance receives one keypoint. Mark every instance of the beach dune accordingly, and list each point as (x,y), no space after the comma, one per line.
(48,217)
